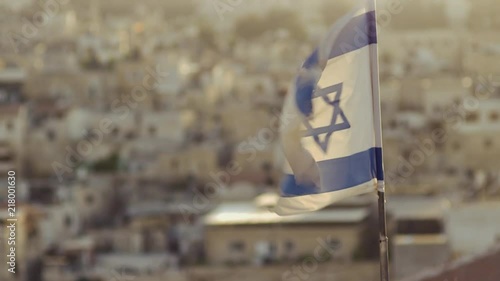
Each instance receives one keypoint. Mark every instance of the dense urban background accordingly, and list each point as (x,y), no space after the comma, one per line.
(145,143)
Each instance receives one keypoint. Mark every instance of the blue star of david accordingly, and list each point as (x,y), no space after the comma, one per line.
(335,123)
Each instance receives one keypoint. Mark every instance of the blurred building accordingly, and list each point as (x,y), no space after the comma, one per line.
(467,268)
(421,239)
(121,119)
(474,142)
(247,232)
(466,220)
(27,239)
(13,130)
(13,117)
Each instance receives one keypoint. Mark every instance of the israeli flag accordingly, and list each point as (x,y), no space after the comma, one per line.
(331,132)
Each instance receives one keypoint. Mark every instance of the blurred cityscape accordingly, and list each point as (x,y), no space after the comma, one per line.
(144,137)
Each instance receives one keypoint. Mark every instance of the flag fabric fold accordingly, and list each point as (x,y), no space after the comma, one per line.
(333,142)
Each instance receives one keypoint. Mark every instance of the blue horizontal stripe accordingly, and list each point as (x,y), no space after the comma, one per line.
(359,32)
(340,173)
(290,188)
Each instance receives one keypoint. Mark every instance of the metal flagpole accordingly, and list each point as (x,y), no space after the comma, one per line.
(383,239)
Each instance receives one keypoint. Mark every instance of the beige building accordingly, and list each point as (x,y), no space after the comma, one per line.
(474,142)
(247,232)
(198,161)
(481,54)
(256,89)
(258,164)
(4,246)
(483,15)
(157,159)
(390,96)
(476,151)
(73,139)
(411,91)
(94,198)
(46,144)
(13,117)
(57,75)
(481,63)
(28,237)
(240,121)
(61,222)
(442,92)
(466,219)
(13,126)
(421,239)
(126,124)
(113,126)
(171,126)
(222,80)
(423,51)
(138,82)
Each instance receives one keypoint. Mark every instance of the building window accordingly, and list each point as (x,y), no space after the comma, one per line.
(406,153)
(269,181)
(488,143)
(10,125)
(452,171)
(137,167)
(174,164)
(130,136)
(393,124)
(89,199)
(419,226)
(471,117)
(237,246)
(51,135)
(152,130)
(67,221)
(335,244)
(494,116)
(115,132)
(91,135)
(4,96)
(289,247)
(266,166)
(32,233)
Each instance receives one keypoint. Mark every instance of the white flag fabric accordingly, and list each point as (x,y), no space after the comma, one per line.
(333,143)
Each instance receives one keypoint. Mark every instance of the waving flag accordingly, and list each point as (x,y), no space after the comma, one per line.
(333,142)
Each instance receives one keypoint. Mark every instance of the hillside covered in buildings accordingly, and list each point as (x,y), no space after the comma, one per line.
(145,138)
